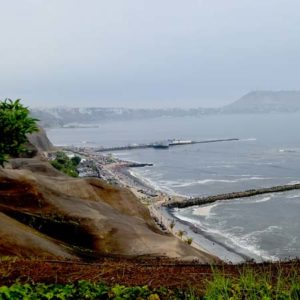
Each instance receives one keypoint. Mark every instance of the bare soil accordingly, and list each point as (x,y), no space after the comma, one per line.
(154,272)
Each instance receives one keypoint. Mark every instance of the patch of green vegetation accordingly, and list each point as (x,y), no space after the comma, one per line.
(250,284)
(66,165)
(15,124)
(254,285)
(87,290)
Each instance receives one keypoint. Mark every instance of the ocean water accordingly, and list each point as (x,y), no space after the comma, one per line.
(267,154)
(264,227)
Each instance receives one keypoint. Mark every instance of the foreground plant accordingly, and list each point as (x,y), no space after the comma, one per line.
(254,285)
(87,290)
(15,124)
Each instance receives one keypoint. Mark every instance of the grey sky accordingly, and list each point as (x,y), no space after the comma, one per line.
(147,53)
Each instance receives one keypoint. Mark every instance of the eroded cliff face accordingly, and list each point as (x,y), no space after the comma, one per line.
(40,140)
(46,214)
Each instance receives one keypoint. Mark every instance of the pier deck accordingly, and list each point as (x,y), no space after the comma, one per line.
(153,145)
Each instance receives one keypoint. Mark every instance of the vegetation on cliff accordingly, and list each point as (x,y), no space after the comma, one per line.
(15,124)
(65,164)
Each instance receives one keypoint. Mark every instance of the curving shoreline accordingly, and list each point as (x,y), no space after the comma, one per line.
(161,205)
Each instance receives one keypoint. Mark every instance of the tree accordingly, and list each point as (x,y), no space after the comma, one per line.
(15,124)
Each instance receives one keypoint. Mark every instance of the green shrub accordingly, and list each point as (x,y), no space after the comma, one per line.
(87,290)
(15,124)
(189,240)
(66,165)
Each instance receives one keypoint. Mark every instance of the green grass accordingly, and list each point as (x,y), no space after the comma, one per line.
(253,285)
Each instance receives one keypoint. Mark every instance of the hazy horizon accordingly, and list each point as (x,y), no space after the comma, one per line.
(147,54)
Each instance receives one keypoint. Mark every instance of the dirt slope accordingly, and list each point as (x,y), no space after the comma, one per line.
(44,213)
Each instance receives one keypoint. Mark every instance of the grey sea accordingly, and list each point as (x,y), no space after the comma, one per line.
(265,227)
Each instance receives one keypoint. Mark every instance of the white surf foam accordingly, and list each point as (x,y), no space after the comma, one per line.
(265,199)
(287,150)
(204,211)
(294,182)
(250,242)
(156,185)
(247,242)
(256,178)
(211,181)
(293,196)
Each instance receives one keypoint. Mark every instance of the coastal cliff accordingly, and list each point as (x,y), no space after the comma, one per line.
(40,140)
(44,213)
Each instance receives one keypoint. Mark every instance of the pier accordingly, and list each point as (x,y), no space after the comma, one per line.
(162,145)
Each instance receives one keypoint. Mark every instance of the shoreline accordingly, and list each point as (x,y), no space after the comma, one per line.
(163,218)
(154,199)
(161,206)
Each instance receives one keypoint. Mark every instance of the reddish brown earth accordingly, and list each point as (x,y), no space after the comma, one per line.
(153,272)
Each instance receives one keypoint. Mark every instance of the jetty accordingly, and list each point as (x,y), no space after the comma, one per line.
(162,145)
(235,195)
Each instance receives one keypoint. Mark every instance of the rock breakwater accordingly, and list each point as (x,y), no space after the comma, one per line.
(243,194)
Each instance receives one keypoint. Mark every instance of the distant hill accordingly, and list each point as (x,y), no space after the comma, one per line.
(266,102)
(253,102)
(72,116)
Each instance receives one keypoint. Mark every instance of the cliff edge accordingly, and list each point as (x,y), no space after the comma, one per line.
(44,213)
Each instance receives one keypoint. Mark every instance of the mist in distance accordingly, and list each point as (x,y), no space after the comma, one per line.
(152,54)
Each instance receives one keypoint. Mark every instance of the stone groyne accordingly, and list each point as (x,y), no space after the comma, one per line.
(249,193)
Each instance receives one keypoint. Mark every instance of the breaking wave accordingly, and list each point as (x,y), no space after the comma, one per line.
(211,181)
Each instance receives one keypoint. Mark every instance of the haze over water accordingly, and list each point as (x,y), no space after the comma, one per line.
(268,154)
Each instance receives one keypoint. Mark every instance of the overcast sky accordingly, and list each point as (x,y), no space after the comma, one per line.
(147,53)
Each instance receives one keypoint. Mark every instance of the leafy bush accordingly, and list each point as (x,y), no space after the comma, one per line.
(15,124)
(66,165)
(86,290)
